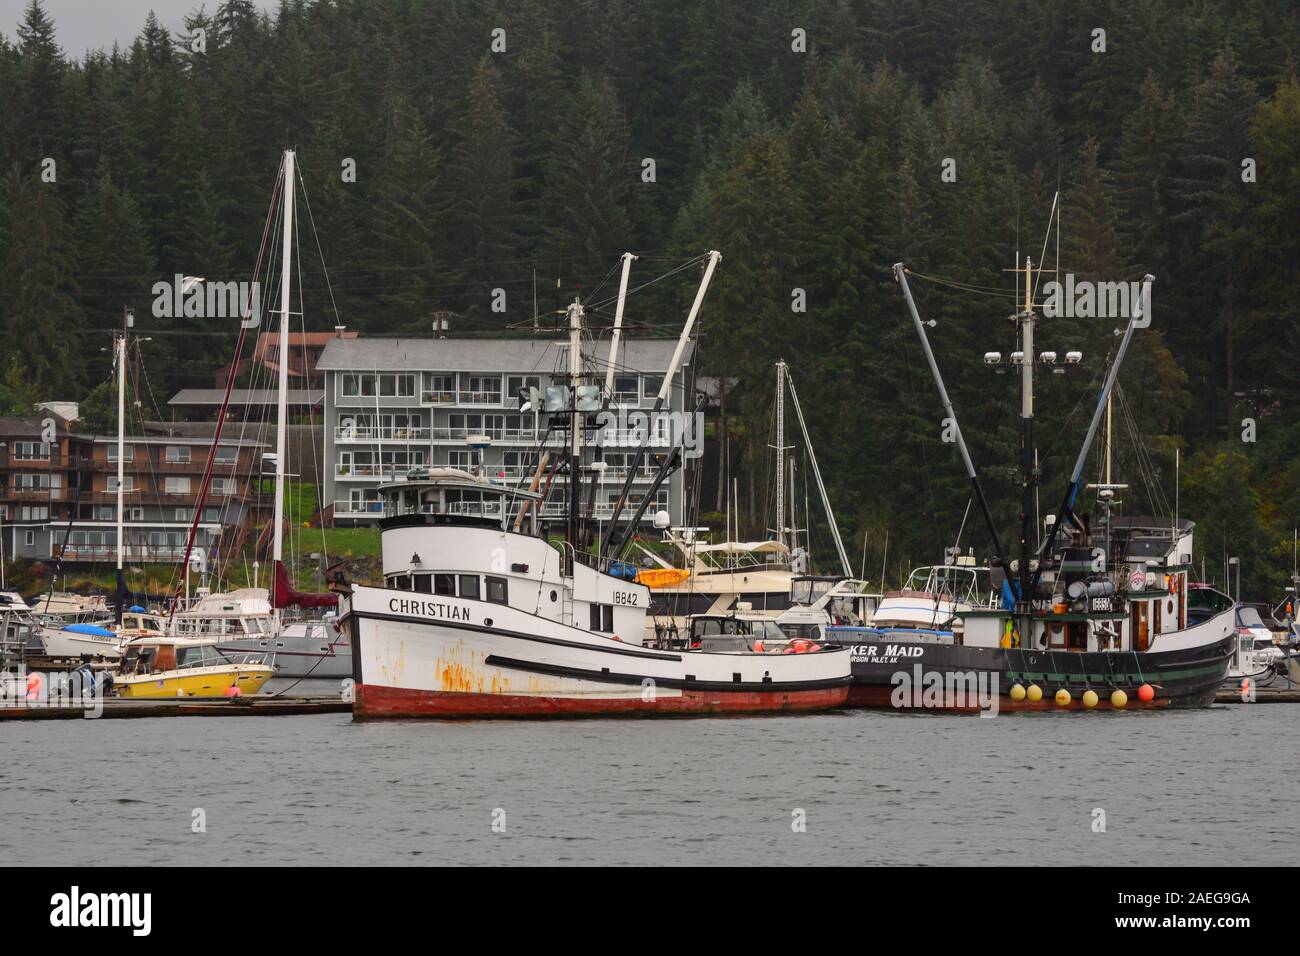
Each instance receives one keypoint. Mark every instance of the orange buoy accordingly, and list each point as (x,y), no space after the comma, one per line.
(1146,693)
(1062,698)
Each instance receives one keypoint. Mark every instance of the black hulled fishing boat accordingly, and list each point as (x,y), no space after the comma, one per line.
(1085,617)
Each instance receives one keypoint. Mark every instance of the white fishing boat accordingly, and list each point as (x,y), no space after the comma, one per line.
(482,617)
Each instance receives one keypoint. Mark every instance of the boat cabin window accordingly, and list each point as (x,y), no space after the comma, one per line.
(402,582)
(205,655)
(444,584)
(496,590)
(602,617)
(469,586)
(423,583)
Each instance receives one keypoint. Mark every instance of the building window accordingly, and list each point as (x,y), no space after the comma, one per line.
(211,514)
(394,385)
(517,383)
(32,482)
(128,453)
(177,455)
(31,451)
(181,514)
(480,389)
(34,513)
(496,590)
(625,390)
(469,586)
(104,513)
(128,484)
(439,389)
(226,454)
(29,538)
(650,385)
(177,486)
(356,385)
(444,584)
(223,486)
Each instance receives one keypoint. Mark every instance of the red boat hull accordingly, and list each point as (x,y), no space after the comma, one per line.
(378,703)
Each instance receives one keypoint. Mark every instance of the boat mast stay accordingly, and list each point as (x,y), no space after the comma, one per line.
(665,389)
(900,273)
(817,475)
(1140,318)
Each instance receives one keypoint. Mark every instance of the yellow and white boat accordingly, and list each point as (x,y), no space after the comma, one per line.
(185,667)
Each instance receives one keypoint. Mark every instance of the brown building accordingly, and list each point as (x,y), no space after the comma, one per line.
(305,350)
(57,486)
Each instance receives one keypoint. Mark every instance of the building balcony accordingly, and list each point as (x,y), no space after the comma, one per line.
(360,433)
(38,495)
(108,552)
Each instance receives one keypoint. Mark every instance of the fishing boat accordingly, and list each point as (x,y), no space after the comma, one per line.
(1089,617)
(169,666)
(482,616)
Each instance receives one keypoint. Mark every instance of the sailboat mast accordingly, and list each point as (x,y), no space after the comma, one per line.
(282,396)
(121,444)
(1027,435)
(575,434)
(780,451)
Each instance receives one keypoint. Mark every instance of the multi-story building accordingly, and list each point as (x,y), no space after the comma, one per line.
(396,404)
(57,486)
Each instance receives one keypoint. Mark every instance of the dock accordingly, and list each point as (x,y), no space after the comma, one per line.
(1263,695)
(182,707)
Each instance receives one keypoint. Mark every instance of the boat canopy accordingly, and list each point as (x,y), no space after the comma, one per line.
(743,547)
(89,629)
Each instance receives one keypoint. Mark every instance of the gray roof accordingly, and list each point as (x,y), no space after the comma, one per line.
(540,355)
(245,396)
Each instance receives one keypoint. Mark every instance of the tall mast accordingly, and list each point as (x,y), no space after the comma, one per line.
(121,443)
(282,397)
(120,582)
(665,390)
(575,433)
(618,323)
(780,452)
(1027,435)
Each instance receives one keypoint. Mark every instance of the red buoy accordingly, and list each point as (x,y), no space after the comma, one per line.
(1146,693)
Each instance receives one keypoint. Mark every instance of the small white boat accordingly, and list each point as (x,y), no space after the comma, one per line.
(78,640)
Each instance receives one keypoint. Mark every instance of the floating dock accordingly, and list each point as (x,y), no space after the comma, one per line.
(180,707)
(1263,695)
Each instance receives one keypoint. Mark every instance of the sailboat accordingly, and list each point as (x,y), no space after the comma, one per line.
(1089,618)
(248,623)
(482,617)
(753,578)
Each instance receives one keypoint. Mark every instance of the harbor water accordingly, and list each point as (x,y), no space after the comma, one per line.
(1214,786)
